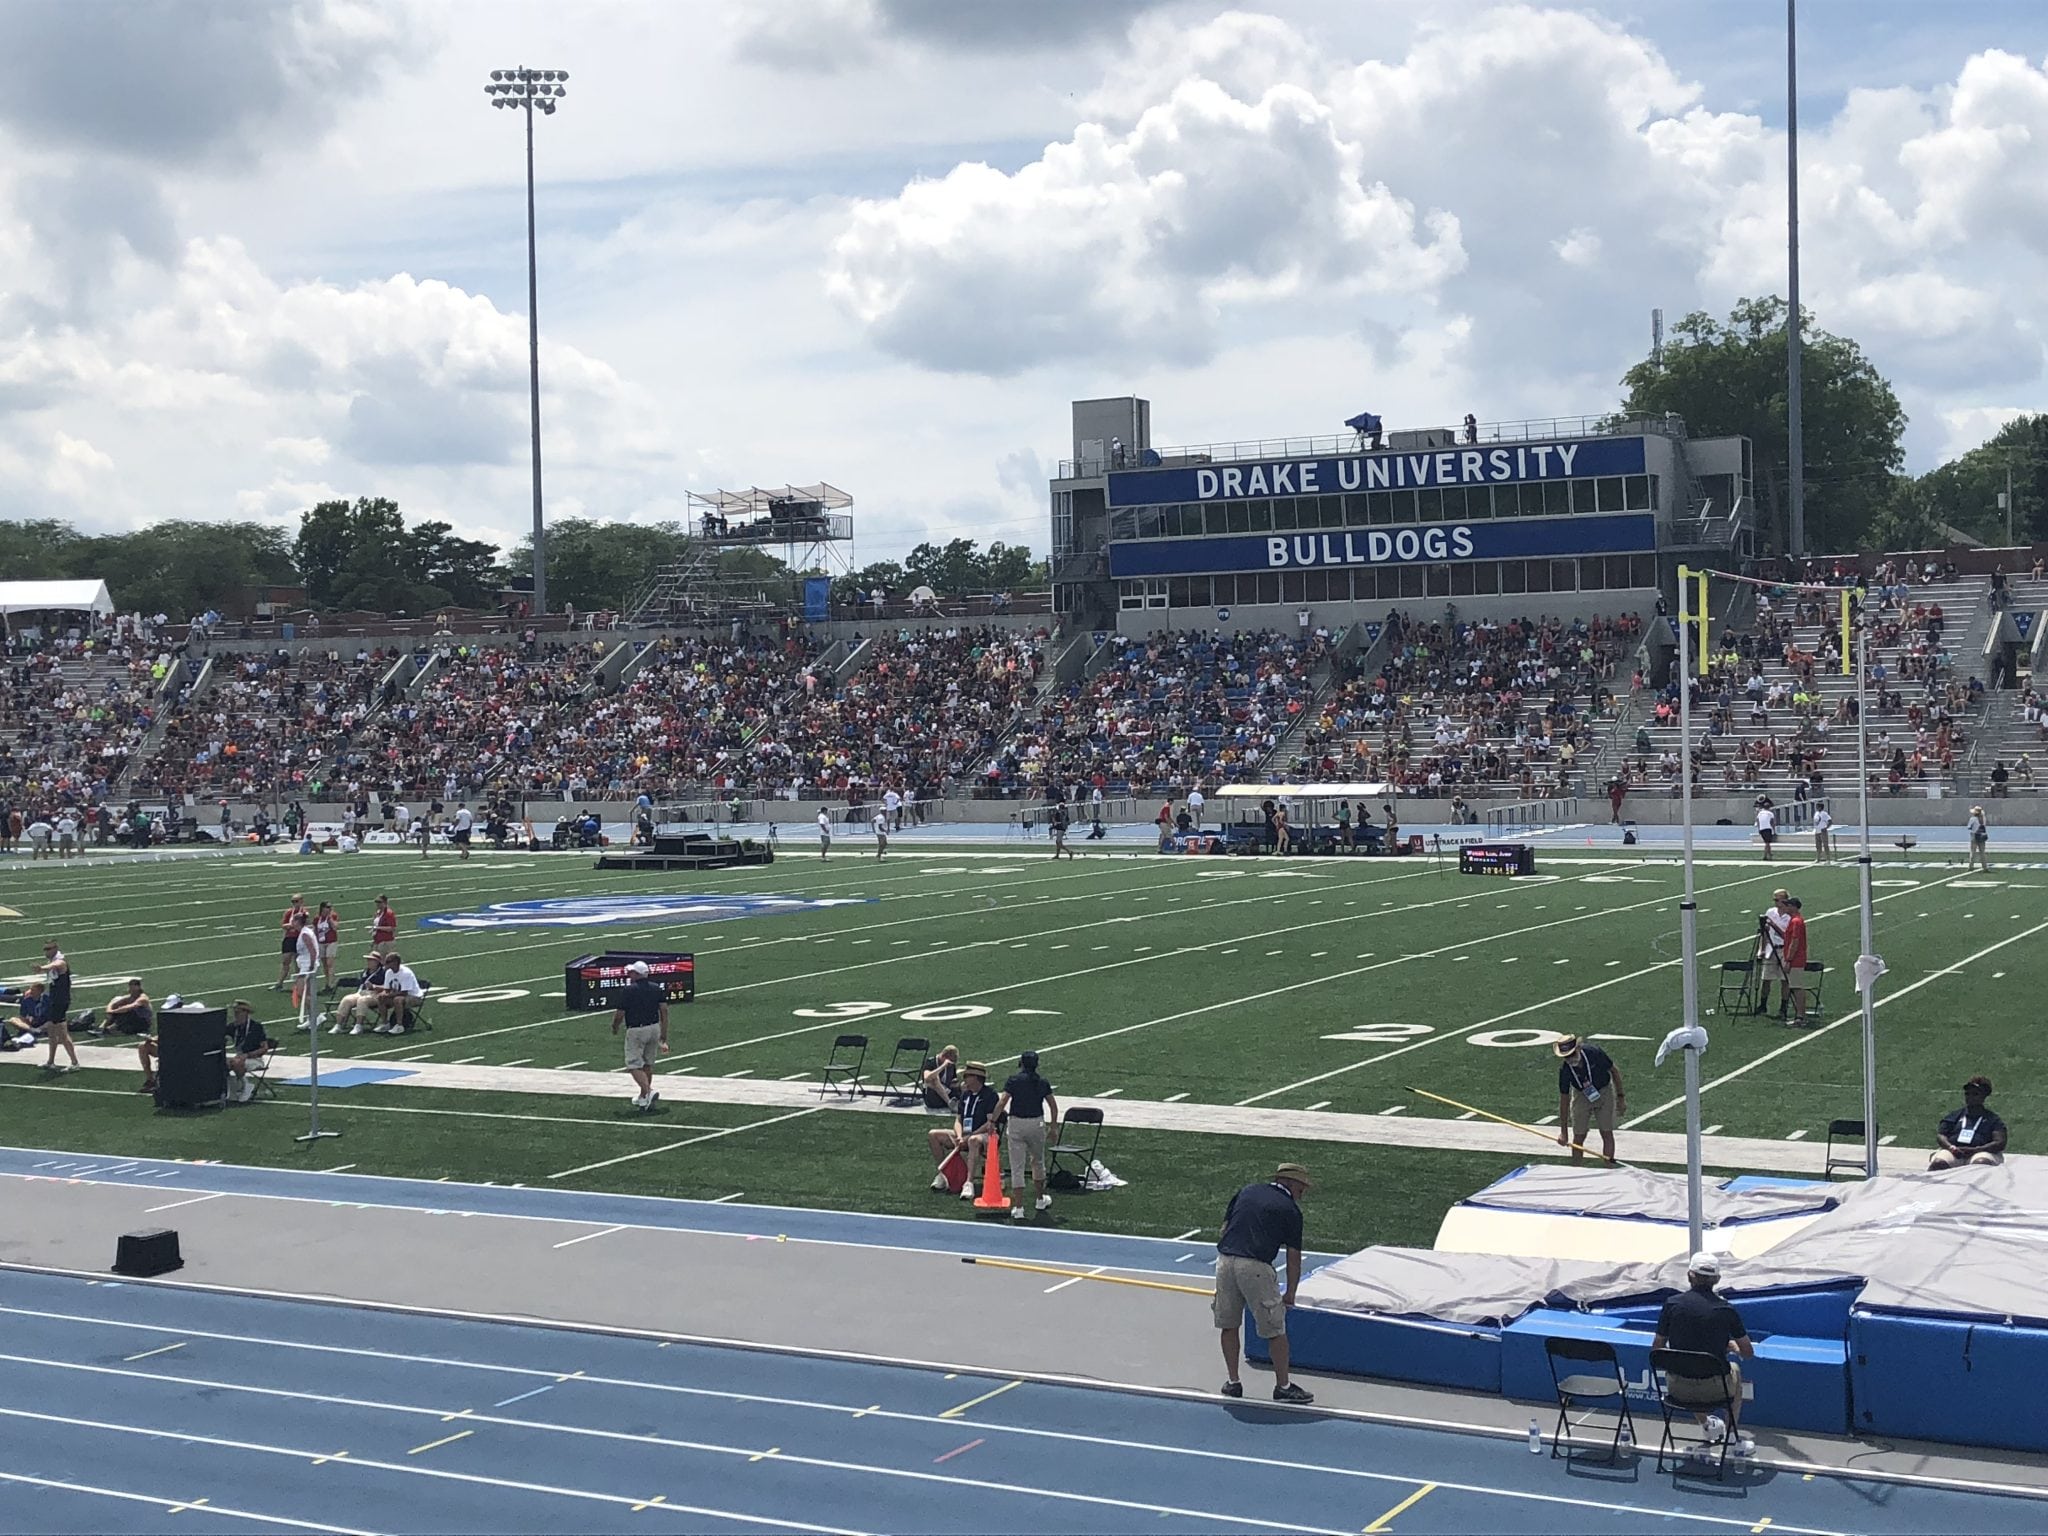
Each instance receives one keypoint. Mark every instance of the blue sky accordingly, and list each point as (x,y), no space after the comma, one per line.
(884,242)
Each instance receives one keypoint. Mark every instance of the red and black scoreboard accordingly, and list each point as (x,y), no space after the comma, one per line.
(1496,859)
(596,981)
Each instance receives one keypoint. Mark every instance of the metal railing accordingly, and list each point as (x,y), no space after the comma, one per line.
(1609,424)
(1532,815)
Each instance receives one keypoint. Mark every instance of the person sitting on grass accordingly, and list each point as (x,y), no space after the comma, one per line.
(361,1004)
(248,1044)
(398,997)
(1972,1134)
(131,1013)
(31,1018)
(941,1081)
(972,1130)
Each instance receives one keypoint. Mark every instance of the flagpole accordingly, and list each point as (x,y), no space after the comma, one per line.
(1866,967)
(1688,913)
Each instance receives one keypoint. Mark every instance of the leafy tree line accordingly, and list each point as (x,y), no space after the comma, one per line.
(1729,377)
(364,555)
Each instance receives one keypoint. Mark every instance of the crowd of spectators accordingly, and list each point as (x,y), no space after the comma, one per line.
(69,722)
(1169,712)
(1483,704)
(268,725)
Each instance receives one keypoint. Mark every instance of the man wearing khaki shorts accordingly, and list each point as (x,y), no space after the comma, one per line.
(1027,1100)
(642,1012)
(1260,1220)
(1589,1093)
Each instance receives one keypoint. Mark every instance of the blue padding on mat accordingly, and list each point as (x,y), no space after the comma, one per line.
(1358,1344)
(1817,1312)
(1750,1181)
(1792,1383)
(352,1077)
(1940,1379)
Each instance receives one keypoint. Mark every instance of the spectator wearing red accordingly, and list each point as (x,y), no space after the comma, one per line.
(1795,960)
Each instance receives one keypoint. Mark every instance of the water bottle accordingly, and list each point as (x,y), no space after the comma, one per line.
(1535,1438)
(1745,1446)
(1626,1445)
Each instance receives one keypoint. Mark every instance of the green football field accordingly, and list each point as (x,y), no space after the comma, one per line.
(1339,986)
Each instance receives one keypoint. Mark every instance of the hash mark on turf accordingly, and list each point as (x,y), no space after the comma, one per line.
(1394,1110)
(743,1072)
(1321,1104)
(1175,1098)
(1712,1130)
(1470,1114)
(1109,1093)
(1799,1135)
(1885,1141)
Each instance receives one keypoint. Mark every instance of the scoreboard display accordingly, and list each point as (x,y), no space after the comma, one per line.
(1496,859)
(596,981)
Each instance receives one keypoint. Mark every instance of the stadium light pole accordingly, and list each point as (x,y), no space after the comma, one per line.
(531,91)
(1794,425)
(1688,922)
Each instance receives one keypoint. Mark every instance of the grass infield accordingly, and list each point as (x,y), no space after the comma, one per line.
(1309,984)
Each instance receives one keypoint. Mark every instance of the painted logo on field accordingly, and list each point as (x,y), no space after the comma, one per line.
(605,911)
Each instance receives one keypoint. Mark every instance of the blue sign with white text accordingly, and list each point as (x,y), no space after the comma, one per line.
(1426,544)
(1500,464)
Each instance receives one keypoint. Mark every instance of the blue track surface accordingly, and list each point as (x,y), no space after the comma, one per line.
(130,1402)
(901,1233)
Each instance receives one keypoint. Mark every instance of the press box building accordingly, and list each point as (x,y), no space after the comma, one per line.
(1568,516)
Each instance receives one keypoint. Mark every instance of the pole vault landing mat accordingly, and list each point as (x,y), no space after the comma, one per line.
(1908,1304)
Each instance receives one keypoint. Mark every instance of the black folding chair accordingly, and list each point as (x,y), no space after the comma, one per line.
(1815,977)
(1069,1148)
(1736,976)
(258,1072)
(1588,1381)
(843,1076)
(1851,1131)
(1711,1376)
(906,1083)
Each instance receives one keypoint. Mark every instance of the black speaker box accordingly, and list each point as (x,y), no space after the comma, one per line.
(192,1057)
(143,1254)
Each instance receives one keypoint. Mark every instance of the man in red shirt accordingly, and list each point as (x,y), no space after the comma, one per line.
(1795,961)
(383,926)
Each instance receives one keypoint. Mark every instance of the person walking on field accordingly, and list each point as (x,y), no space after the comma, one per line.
(1823,836)
(1980,840)
(881,826)
(643,1014)
(1260,1220)
(824,834)
(1027,1100)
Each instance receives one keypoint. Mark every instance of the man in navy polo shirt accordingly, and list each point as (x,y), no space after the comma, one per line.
(1589,1093)
(1260,1220)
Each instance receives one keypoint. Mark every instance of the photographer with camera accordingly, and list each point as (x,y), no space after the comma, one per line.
(1769,959)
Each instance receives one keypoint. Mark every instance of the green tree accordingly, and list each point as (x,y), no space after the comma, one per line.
(39,549)
(181,568)
(889,575)
(600,565)
(465,569)
(1964,492)
(1906,519)
(1010,568)
(1729,378)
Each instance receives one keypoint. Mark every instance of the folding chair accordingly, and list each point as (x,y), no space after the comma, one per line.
(1688,1365)
(906,1083)
(1736,976)
(844,1076)
(1069,1148)
(1582,1390)
(1815,977)
(259,1073)
(1848,1130)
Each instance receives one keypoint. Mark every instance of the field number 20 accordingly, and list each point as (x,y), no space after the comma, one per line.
(935,1013)
(1500,1039)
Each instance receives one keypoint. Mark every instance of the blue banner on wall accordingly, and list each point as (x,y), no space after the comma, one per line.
(1502,464)
(1427,544)
(817,598)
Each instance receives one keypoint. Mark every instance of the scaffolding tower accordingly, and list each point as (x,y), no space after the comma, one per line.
(806,527)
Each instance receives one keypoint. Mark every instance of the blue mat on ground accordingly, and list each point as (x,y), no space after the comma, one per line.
(352,1077)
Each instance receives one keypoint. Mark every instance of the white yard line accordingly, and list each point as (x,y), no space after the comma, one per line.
(688,1141)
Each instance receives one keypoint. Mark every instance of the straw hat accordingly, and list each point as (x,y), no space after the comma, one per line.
(1568,1046)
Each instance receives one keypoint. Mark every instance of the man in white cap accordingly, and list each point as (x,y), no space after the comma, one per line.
(1702,1323)
(642,1011)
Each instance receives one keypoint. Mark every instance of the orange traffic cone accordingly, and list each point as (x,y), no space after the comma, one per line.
(992,1197)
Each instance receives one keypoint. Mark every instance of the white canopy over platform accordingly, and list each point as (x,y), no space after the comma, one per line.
(64,596)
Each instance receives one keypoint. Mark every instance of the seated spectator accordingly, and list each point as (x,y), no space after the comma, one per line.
(1972,1134)
(1702,1323)
(942,1082)
(972,1131)
(30,1021)
(398,997)
(248,1043)
(361,1003)
(131,1012)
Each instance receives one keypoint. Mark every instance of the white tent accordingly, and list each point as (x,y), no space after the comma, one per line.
(61,596)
